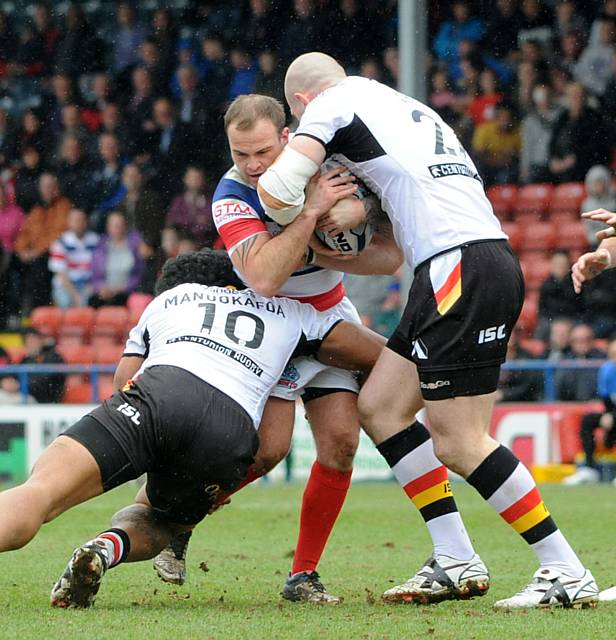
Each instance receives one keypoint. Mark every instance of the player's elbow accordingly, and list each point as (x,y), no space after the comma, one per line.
(264,286)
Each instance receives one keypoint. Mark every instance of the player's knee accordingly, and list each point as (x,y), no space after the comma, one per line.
(268,457)
(338,450)
(369,410)
(449,451)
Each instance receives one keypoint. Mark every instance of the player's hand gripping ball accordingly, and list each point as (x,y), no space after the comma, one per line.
(353,241)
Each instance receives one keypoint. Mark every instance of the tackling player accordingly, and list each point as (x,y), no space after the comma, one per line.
(217,353)
(447,350)
(274,261)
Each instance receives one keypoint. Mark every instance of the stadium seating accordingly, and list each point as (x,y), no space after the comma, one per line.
(78,321)
(109,354)
(533,201)
(572,235)
(47,320)
(568,197)
(514,231)
(536,268)
(76,353)
(528,317)
(503,199)
(538,236)
(111,321)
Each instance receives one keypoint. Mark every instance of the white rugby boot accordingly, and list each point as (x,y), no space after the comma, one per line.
(608,595)
(443,578)
(551,588)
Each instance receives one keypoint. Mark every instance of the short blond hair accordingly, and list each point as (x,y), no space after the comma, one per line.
(245,111)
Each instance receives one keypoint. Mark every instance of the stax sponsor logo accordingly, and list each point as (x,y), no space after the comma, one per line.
(227,210)
(289,377)
(130,411)
(437,384)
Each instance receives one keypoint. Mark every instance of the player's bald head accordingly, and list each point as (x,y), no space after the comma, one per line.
(308,75)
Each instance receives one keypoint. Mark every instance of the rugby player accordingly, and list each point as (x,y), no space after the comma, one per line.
(277,262)
(447,350)
(214,352)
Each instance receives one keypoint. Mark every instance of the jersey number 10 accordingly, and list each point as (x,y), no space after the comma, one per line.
(231,326)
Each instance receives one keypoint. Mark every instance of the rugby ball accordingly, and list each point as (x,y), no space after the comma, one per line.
(351,242)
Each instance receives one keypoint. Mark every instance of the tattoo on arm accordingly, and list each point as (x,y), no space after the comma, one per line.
(243,251)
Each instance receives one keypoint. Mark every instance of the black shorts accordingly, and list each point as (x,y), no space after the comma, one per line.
(192,440)
(461,309)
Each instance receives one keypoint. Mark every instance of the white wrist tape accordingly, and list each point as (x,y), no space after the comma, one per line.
(286,180)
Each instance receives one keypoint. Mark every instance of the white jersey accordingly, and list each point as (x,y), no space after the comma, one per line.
(410,158)
(237,341)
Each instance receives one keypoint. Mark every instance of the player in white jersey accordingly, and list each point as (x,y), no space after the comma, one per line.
(213,352)
(447,350)
(273,261)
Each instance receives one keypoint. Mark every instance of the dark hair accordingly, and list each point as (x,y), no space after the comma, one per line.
(209,267)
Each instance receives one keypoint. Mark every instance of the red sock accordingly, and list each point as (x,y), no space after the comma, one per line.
(251,476)
(323,499)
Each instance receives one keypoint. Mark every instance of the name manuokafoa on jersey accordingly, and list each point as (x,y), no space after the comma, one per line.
(408,156)
(237,341)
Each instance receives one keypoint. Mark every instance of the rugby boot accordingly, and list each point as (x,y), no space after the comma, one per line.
(551,588)
(78,585)
(443,578)
(307,587)
(170,563)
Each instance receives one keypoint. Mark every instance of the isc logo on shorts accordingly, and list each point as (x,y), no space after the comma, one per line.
(492,333)
(131,412)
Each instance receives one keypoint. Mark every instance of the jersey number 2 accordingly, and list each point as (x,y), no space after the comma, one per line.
(231,325)
(439,144)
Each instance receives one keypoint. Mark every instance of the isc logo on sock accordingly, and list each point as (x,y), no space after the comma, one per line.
(131,412)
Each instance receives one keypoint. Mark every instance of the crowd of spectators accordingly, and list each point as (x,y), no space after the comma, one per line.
(111,133)
(529,85)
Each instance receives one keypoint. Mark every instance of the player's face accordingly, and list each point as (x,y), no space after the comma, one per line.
(254,150)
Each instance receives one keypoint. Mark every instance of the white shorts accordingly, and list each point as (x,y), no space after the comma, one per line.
(307,371)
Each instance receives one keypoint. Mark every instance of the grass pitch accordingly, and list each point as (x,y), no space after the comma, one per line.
(379,540)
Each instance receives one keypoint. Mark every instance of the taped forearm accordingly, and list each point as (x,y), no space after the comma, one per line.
(281,187)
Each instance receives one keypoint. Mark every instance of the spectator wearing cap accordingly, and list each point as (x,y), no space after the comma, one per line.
(70,260)
(44,387)
(600,194)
